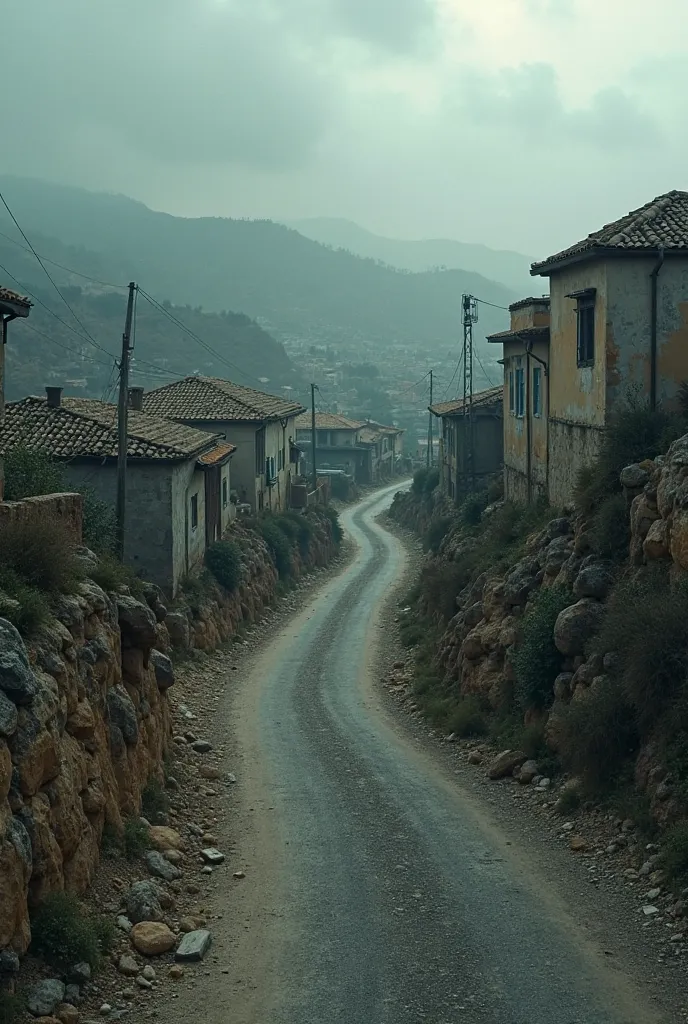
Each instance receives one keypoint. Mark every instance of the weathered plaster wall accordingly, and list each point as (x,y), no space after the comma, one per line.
(188,543)
(148,539)
(577,407)
(67,508)
(519,432)
(535,314)
(629,329)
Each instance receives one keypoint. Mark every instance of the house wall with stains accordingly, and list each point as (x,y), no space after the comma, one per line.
(488,444)
(577,394)
(629,328)
(528,432)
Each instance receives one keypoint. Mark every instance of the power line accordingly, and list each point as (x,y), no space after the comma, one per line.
(493,304)
(487,376)
(456,373)
(69,270)
(204,344)
(48,275)
(71,351)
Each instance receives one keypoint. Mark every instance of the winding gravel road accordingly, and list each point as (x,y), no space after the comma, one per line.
(386,895)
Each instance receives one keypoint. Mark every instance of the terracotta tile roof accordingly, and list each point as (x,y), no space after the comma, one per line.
(527,334)
(87,428)
(481,400)
(327,421)
(14,298)
(215,400)
(663,222)
(369,435)
(216,455)
(383,428)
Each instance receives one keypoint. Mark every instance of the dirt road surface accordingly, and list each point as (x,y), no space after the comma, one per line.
(378,889)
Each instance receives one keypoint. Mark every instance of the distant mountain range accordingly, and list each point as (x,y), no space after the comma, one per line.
(292,285)
(510,268)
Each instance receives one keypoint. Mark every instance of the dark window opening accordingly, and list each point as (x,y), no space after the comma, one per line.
(260,451)
(194,511)
(585,312)
(224,494)
(537,391)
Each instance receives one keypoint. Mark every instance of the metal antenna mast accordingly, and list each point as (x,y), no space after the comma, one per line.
(470,317)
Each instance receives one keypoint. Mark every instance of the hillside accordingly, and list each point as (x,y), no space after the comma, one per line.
(510,268)
(294,286)
(47,350)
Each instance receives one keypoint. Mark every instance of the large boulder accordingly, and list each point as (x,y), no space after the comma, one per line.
(144,902)
(503,765)
(657,542)
(152,938)
(178,628)
(44,996)
(9,716)
(520,582)
(17,681)
(137,623)
(593,581)
(164,670)
(576,624)
(634,477)
(122,714)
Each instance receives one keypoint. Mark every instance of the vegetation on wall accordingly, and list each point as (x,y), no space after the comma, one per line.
(536,659)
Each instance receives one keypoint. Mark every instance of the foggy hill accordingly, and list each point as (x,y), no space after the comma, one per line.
(294,286)
(47,350)
(510,268)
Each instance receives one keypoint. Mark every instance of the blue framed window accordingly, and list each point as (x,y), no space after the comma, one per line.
(520,391)
(537,391)
(512,401)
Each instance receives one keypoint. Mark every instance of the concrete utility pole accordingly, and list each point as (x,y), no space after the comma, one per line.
(470,317)
(315,468)
(430,459)
(122,422)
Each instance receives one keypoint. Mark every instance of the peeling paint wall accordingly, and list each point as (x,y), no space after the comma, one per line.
(188,542)
(488,439)
(577,410)
(529,431)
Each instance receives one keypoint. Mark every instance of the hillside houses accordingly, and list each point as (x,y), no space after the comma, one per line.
(178,498)
(613,329)
(261,426)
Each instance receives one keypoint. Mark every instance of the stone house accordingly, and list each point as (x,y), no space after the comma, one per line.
(618,329)
(526,399)
(454,460)
(178,481)
(338,445)
(387,448)
(260,426)
(12,306)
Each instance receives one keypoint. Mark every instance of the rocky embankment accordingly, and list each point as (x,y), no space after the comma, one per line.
(478,646)
(85,725)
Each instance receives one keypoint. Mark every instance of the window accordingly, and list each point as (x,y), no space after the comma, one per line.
(520,383)
(260,451)
(224,493)
(537,391)
(322,437)
(270,469)
(280,459)
(194,511)
(585,313)
(512,401)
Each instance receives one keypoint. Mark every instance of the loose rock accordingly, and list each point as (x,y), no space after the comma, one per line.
(194,945)
(45,996)
(152,938)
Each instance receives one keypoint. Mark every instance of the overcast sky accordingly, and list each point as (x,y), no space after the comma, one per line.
(521,123)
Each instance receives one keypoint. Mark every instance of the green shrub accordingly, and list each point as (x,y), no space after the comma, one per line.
(29,472)
(100,523)
(34,607)
(610,528)
(646,625)
(437,531)
(432,481)
(111,574)
(41,553)
(154,801)
(536,660)
(675,853)
(11,1007)
(63,933)
(223,560)
(278,545)
(331,513)
(304,530)
(411,632)
(419,479)
(634,432)
(569,800)
(467,718)
(111,841)
(472,509)
(441,584)
(135,839)
(598,736)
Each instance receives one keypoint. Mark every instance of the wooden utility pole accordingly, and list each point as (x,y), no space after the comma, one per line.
(315,469)
(122,418)
(430,459)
